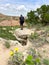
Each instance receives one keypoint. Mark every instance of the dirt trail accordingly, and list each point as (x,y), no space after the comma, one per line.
(5,53)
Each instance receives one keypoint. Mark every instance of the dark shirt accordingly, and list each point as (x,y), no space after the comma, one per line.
(21,19)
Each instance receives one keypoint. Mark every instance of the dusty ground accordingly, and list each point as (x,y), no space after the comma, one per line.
(4,55)
(10,23)
(44,51)
(4,52)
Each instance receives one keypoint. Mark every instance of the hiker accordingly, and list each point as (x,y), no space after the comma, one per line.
(21,22)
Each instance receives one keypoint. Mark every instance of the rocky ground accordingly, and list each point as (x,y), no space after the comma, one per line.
(4,52)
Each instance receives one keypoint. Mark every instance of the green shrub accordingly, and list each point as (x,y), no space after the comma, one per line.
(16,58)
(32,58)
(34,35)
(7,44)
(32,52)
(6,34)
(31,61)
(46,61)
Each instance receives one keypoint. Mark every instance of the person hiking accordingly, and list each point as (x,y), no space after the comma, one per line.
(21,22)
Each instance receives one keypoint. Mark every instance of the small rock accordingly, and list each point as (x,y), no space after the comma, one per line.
(47,39)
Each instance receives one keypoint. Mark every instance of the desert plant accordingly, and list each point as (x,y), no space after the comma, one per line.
(33,58)
(46,61)
(7,44)
(16,58)
(4,32)
(32,52)
(34,35)
(31,61)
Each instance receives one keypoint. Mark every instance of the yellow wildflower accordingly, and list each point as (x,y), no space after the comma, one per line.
(16,49)
(11,53)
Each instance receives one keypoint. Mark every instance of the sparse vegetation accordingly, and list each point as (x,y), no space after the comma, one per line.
(5,32)
(7,44)
(5,17)
(34,36)
(46,61)
(16,57)
(31,61)
(38,22)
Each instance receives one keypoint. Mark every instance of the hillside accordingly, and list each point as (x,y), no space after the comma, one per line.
(9,20)
(6,17)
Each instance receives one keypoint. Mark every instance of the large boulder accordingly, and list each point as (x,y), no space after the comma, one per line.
(22,35)
(24,32)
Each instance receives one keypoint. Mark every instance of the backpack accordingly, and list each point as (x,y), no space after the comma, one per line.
(22,18)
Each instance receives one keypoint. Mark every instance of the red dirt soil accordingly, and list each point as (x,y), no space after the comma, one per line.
(10,23)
